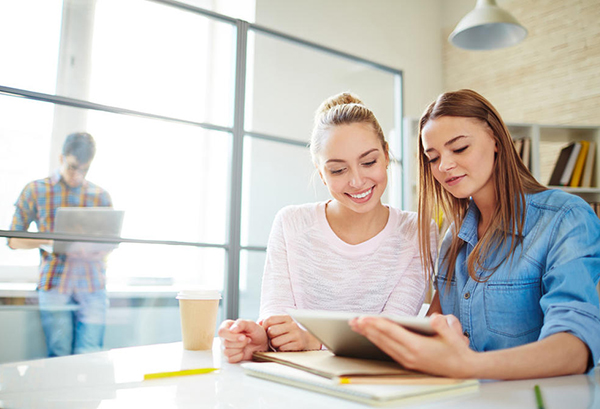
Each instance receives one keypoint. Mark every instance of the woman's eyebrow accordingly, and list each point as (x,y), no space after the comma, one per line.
(450,142)
(360,157)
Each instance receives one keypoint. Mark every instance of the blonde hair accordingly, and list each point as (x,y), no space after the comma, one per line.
(342,109)
(512,181)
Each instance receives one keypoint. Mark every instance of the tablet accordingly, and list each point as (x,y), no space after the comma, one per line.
(333,330)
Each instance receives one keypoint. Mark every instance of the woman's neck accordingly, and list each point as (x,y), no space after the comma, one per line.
(355,228)
(487,206)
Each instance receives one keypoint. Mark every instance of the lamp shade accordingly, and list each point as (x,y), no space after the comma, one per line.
(487,27)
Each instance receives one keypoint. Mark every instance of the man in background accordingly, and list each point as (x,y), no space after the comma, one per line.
(71,288)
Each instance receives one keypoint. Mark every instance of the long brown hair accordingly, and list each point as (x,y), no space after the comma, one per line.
(512,181)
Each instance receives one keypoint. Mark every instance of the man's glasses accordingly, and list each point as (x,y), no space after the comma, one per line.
(77,169)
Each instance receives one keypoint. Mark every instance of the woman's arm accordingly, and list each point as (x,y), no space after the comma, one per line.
(447,354)
(276,292)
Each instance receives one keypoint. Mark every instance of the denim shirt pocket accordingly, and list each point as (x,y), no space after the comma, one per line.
(447,294)
(512,308)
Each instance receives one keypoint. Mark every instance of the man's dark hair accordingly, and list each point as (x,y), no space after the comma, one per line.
(81,145)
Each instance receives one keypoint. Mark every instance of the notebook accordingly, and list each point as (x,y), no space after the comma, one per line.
(372,394)
(332,329)
(88,221)
(325,363)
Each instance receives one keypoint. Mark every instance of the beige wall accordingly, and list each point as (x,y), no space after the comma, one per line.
(553,77)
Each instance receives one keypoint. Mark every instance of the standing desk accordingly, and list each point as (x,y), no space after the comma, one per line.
(113,379)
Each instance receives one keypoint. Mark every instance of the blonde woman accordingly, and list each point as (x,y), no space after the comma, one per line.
(518,267)
(350,253)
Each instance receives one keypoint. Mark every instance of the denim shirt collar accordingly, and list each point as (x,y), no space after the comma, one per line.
(468,230)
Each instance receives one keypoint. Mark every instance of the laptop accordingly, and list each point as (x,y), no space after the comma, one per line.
(332,329)
(88,221)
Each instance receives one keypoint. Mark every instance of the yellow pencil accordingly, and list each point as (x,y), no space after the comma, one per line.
(184,372)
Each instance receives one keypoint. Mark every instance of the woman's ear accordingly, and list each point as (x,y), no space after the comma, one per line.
(320,174)
(322,178)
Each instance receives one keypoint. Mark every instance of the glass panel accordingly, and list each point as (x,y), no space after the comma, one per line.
(182,266)
(30,56)
(139,314)
(275,175)
(242,9)
(171,188)
(172,180)
(251,270)
(175,63)
(24,157)
(289,81)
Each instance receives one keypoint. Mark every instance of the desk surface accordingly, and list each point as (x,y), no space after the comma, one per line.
(113,379)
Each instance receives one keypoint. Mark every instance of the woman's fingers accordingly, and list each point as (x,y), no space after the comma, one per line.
(391,338)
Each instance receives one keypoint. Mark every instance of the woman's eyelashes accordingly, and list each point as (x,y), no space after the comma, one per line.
(458,150)
(341,170)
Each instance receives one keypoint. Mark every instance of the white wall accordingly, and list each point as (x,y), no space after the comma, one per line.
(404,34)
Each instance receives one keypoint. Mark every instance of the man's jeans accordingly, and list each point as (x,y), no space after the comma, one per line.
(73,323)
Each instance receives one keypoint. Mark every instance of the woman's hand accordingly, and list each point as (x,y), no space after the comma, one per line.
(447,353)
(241,338)
(285,334)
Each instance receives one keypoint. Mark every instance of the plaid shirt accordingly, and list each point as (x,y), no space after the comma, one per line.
(38,203)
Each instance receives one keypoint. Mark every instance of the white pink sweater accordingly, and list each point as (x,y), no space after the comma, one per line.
(309,267)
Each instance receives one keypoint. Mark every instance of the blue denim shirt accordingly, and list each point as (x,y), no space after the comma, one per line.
(549,286)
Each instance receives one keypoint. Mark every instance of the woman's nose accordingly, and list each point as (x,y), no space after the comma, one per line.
(446,164)
(356,179)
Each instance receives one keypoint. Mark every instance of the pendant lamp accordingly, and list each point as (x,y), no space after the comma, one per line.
(487,27)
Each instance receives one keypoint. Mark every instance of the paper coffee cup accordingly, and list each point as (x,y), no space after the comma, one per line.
(198,311)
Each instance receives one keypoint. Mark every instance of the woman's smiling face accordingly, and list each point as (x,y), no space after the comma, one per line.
(353,165)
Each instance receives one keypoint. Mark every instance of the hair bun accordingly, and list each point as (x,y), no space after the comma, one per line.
(339,99)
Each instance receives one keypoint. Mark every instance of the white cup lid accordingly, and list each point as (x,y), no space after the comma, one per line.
(198,295)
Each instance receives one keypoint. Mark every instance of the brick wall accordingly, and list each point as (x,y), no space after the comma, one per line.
(552,77)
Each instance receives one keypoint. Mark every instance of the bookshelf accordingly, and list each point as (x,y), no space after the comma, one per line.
(546,144)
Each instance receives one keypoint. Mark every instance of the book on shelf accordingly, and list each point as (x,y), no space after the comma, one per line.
(596,207)
(368,381)
(586,178)
(561,163)
(523,148)
(579,164)
(565,179)
(526,152)
(518,145)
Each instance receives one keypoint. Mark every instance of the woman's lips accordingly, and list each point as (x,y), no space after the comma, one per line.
(451,181)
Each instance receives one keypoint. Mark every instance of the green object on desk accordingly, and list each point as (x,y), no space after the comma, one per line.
(184,372)
(538,397)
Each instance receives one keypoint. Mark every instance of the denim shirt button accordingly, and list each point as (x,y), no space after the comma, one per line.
(467,295)
(466,334)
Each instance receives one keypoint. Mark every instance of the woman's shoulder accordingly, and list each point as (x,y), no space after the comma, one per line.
(556,200)
(404,220)
(301,216)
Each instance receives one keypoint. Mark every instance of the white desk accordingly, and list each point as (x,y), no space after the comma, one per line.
(113,379)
